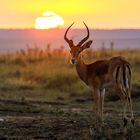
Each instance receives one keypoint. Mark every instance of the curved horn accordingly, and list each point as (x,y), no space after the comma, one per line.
(70,42)
(83,40)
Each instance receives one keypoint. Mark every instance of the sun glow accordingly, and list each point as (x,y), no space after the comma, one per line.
(49,20)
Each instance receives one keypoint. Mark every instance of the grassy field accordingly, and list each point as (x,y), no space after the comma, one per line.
(41,96)
(48,74)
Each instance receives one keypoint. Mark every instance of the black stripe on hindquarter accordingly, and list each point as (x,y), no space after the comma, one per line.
(129,69)
(124,76)
(117,73)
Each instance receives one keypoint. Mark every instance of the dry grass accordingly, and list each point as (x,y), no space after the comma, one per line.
(49,69)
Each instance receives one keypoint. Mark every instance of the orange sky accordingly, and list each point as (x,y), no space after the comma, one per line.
(96,13)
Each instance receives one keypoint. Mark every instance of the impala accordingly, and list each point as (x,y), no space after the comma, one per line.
(97,75)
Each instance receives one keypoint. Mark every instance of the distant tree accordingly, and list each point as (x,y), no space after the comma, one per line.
(111,47)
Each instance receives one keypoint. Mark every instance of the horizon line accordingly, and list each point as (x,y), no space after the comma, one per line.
(72,29)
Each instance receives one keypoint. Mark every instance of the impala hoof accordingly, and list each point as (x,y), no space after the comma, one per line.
(133,122)
(125,121)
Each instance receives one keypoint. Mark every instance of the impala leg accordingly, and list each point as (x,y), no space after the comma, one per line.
(102,95)
(96,96)
(123,98)
(130,108)
(124,111)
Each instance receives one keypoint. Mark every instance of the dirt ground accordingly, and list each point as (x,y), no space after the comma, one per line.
(59,121)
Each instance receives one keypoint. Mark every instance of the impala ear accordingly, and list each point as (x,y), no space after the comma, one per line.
(87,45)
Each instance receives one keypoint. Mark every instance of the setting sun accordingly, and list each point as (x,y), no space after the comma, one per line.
(48,20)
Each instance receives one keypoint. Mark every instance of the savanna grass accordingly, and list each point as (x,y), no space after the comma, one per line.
(50,70)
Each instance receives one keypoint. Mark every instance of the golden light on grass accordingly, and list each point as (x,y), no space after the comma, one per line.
(49,20)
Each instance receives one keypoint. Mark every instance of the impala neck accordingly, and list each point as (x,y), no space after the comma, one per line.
(81,69)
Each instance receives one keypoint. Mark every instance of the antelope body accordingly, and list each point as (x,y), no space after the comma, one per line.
(97,75)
